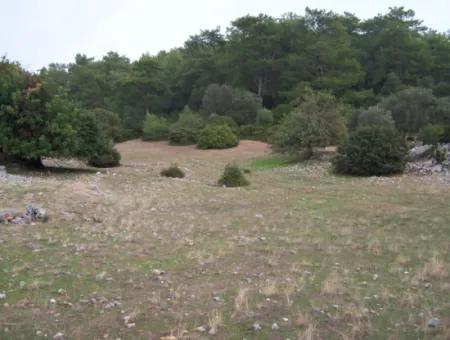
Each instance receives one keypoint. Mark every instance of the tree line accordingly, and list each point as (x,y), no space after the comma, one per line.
(266,63)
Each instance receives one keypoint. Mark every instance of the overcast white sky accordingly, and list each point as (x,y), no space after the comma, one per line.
(37,32)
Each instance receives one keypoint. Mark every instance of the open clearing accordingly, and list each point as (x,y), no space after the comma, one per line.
(299,254)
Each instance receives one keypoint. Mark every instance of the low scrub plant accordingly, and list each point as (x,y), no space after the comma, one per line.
(217,137)
(173,172)
(233,177)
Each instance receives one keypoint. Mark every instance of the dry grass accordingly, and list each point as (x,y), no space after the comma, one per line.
(323,257)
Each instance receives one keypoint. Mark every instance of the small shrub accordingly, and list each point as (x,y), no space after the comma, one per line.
(107,159)
(173,172)
(233,177)
(155,128)
(432,134)
(371,151)
(440,155)
(217,137)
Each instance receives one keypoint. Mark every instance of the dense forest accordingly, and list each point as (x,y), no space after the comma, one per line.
(264,63)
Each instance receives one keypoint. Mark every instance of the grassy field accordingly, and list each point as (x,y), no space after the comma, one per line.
(299,254)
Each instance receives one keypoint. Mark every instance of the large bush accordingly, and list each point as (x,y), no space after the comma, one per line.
(233,177)
(264,117)
(154,128)
(371,151)
(217,137)
(187,129)
(33,124)
(215,119)
(318,121)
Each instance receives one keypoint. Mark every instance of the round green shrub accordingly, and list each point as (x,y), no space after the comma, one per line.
(173,172)
(371,151)
(217,137)
(107,159)
(233,177)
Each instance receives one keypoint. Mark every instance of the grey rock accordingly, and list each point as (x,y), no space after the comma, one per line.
(275,327)
(434,323)
(420,152)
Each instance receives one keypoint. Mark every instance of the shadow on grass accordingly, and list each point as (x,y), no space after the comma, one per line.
(51,171)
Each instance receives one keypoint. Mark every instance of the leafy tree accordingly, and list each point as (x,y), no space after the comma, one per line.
(373,116)
(411,108)
(217,99)
(317,122)
(33,125)
(110,123)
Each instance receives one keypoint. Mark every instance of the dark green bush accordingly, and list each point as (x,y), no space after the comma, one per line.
(215,119)
(432,134)
(217,137)
(108,159)
(173,171)
(371,151)
(155,128)
(233,177)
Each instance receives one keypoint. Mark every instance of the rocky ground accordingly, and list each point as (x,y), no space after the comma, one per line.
(299,254)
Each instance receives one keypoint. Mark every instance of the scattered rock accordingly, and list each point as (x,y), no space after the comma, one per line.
(275,327)
(58,335)
(201,329)
(256,327)
(420,152)
(433,323)
(2,296)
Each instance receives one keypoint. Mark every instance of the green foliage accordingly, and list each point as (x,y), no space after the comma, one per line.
(217,99)
(317,122)
(255,132)
(108,159)
(173,172)
(155,128)
(187,129)
(432,134)
(215,119)
(233,177)
(264,117)
(109,123)
(371,151)
(373,116)
(411,108)
(217,137)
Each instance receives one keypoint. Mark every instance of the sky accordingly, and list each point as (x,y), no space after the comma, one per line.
(39,32)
